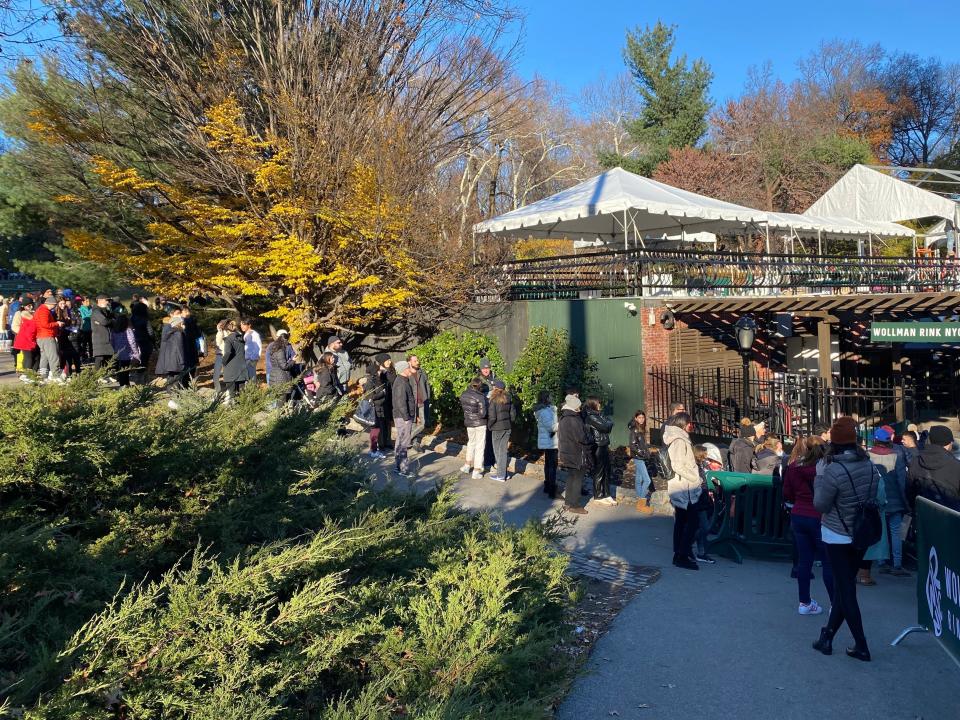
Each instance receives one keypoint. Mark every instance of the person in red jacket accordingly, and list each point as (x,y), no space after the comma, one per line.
(47,329)
(26,341)
(805,520)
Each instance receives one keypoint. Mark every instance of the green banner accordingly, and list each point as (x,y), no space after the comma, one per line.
(938,573)
(915,332)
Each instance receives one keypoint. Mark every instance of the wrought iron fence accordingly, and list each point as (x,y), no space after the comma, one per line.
(788,404)
(633,273)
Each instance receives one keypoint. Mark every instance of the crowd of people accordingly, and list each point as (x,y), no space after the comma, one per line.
(828,479)
(55,334)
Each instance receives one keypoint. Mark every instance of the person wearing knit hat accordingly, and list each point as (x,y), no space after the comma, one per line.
(741,455)
(404,414)
(844,482)
(572,447)
(935,472)
(844,431)
(47,330)
(892,467)
(377,390)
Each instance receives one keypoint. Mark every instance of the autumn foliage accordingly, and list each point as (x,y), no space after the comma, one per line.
(300,182)
(273,241)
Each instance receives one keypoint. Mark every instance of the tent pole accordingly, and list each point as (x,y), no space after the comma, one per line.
(819,242)
(870,241)
(766,229)
(626,232)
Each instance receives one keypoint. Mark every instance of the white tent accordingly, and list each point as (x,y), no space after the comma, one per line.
(815,226)
(866,194)
(618,205)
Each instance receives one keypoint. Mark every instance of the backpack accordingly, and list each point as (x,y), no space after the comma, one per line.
(365,414)
(665,463)
(867,520)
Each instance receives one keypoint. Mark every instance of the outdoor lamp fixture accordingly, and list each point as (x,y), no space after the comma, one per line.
(746,333)
(746,328)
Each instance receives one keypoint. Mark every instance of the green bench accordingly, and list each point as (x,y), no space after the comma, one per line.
(749,518)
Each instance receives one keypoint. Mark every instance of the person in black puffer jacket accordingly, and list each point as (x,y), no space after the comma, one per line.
(573,452)
(234,363)
(640,452)
(102,319)
(282,365)
(474,404)
(845,479)
(500,417)
(376,390)
(598,428)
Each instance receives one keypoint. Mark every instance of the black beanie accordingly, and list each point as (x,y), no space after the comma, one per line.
(940,435)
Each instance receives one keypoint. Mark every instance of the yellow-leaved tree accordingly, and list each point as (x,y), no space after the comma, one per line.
(283,157)
(324,266)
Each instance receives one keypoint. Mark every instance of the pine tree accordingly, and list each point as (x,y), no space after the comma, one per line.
(674,99)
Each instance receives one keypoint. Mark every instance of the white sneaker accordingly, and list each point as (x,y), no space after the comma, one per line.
(25,378)
(812,609)
(497,478)
(477,475)
(465,469)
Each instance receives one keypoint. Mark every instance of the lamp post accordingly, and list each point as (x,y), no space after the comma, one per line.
(746,333)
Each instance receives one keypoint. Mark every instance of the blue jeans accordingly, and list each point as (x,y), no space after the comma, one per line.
(894,521)
(806,533)
(642,481)
(702,533)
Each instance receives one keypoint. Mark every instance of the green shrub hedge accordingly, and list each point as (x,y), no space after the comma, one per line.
(228,562)
(451,360)
(549,361)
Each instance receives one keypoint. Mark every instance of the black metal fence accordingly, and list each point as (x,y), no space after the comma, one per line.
(788,404)
(634,273)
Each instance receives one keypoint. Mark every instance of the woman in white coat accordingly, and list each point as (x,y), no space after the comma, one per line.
(546,413)
(684,487)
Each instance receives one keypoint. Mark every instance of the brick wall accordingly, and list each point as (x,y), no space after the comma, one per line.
(656,352)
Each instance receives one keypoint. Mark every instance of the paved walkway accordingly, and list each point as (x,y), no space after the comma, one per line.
(724,642)
(7,369)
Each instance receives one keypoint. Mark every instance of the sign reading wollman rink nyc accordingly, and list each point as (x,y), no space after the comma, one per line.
(915,332)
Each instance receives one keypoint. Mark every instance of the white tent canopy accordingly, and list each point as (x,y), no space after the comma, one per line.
(865,194)
(815,226)
(617,205)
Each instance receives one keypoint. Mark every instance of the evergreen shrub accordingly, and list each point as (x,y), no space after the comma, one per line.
(231,562)
(549,361)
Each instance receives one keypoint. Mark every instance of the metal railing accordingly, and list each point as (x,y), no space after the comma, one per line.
(653,273)
(789,404)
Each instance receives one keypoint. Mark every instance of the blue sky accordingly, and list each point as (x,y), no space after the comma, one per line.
(572,43)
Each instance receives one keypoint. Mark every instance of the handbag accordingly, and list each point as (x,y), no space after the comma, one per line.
(867,520)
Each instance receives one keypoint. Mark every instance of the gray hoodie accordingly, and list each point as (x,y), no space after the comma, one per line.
(685,486)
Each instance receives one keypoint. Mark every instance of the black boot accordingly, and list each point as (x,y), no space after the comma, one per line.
(825,643)
(685,562)
(859,653)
